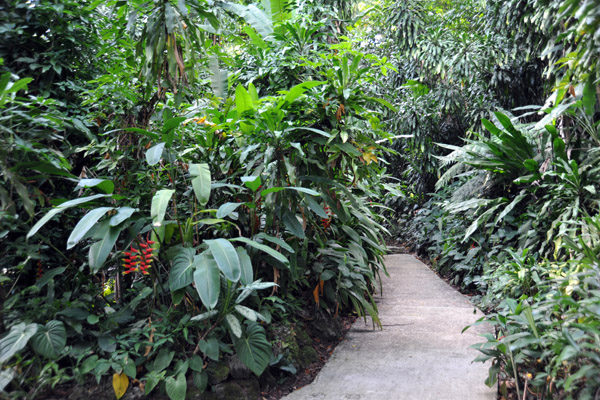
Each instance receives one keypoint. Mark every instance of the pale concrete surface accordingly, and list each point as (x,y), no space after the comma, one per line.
(419,355)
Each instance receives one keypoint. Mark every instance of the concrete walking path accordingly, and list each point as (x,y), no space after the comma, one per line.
(419,355)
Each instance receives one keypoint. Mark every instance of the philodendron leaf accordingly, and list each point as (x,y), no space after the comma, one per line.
(253,348)
(86,223)
(181,274)
(160,201)
(207,280)
(226,257)
(16,339)
(176,387)
(50,340)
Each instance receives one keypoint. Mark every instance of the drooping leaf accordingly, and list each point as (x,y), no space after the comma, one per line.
(17,338)
(48,275)
(100,250)
(293,225)
(49,340)
(160,202)
(61,208)
(181,274)
(270,251)
(226,257)
(207,280)
(87,222)
(253,349)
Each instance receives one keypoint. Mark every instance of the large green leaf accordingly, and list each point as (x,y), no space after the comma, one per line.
(86,223)
(61,208)
(247,275)
(253,348)
(160,201)
(176,387)
(201,182)
(181,274)
(50,340)
(243,101)
(207,280)
(16,339)
(100,250)
(226,258)
(272,252)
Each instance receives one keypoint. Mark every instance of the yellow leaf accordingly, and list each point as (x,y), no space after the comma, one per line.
(120,384)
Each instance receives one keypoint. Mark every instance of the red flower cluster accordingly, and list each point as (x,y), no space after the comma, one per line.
(138,261)
(326,222)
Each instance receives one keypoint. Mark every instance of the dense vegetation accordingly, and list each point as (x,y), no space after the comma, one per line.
(182,179)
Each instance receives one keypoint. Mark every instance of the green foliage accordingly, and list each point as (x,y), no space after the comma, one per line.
(203,174)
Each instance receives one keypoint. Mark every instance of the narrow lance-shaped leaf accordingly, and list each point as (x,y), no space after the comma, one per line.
(86,223)
(207,280)
(270,251)
(226,257)
(160,201)
(61,208)
(201,182)
(246,266)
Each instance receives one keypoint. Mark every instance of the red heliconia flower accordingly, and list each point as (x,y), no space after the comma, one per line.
(138,261)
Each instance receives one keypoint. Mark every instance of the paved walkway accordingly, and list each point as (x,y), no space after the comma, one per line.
(419,355)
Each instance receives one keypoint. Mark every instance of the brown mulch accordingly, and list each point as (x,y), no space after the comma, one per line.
(303,377)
